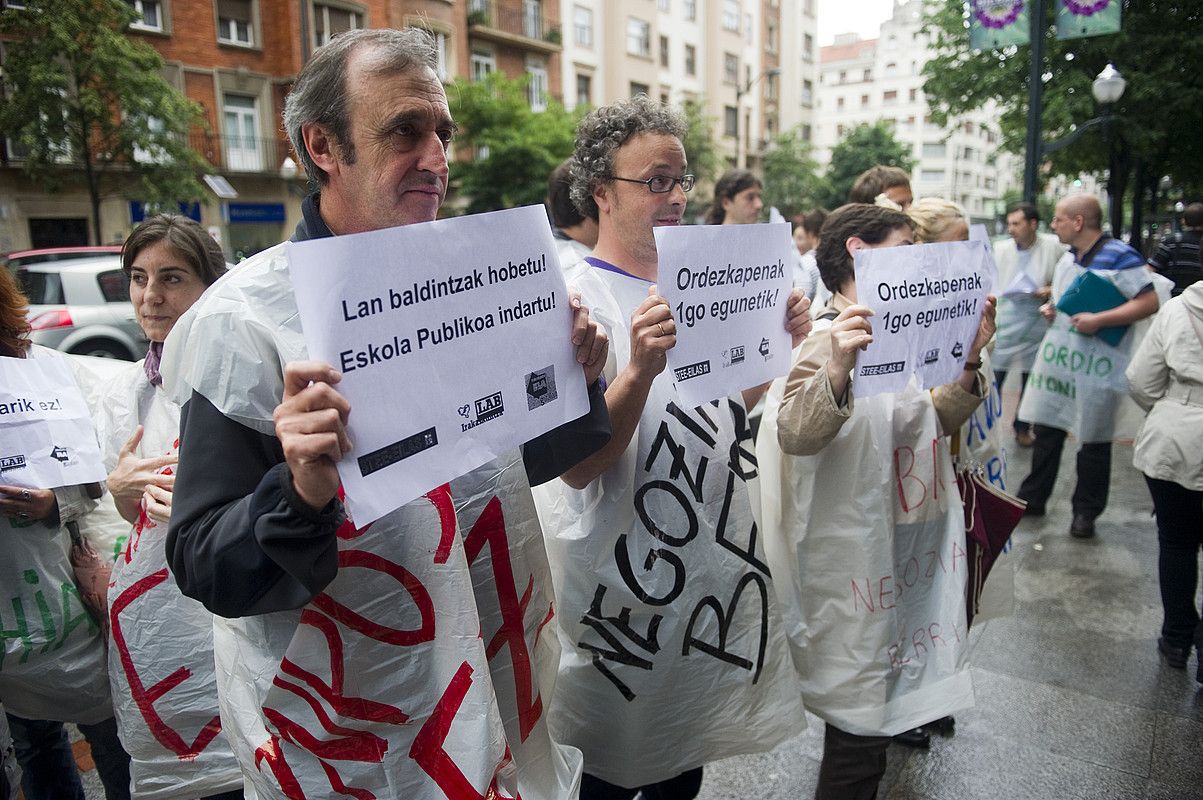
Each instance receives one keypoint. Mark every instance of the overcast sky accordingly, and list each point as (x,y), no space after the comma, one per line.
(843,16)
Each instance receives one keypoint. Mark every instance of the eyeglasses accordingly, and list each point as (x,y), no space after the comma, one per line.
(659,184)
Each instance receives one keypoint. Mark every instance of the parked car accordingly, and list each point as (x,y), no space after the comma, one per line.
(82,306)
(21,257)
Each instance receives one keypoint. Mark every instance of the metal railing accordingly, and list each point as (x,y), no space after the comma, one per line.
(513,19)
(240,153)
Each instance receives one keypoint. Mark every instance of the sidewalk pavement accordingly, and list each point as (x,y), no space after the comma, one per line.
(1073,699)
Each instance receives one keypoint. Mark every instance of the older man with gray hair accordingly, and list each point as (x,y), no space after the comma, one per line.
(674,653)
(355,662)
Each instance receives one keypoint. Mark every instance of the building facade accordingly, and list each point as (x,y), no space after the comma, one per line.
(238,59)
(862,81)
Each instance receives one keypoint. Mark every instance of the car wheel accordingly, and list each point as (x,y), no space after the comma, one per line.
(101,348)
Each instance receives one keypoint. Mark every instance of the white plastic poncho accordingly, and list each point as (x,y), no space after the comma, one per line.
(866,540)
(673,651)
(52,660)
(383,683)
(1077,383)
(161,642)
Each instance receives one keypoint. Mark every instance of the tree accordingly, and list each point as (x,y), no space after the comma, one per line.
(791,177)
(515,148)
(1156,131)
(79,92)
(700,148)
(864,147)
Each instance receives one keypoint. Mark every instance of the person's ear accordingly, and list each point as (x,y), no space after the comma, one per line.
(853,244)
(321,146)
(601,197)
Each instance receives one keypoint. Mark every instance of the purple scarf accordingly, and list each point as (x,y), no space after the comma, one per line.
(153,357)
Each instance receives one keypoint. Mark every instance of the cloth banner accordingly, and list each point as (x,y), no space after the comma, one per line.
(995,24)
(1078,19)
(1077,382)
(46,434)
(872,586)
(673,650)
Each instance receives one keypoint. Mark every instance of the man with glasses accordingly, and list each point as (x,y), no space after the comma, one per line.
(673,651)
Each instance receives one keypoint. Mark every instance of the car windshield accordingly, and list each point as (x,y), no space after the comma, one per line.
(41,288)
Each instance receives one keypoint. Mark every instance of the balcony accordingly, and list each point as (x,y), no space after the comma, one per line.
(241,153)
(523,26)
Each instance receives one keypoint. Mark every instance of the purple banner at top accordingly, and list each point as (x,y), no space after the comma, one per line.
(995,24)
(1077,19)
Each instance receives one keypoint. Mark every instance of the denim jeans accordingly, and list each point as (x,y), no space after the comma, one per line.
(48,764)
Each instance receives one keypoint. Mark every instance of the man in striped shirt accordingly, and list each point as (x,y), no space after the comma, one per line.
(1077,222)
(1177,256)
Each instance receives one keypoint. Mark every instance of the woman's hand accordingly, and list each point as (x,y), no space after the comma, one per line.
(157,502)
(132,475)
(25,504)
(985,329)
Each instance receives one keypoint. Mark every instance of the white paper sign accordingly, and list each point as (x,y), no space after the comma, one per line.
(453,340)
(927,300)
(728,287)
(46,434)
(1022,285)
(979,233)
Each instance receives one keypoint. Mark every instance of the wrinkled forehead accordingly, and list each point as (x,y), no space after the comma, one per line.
(376,83)
(651,151)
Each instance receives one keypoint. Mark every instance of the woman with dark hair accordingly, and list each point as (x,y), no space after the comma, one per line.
(736,199)
(176,749)
(841,509)
(52,665)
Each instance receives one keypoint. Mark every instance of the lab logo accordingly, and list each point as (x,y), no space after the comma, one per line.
(541,387)
(957,350)
(931,356)
(11,462)
(764,348)
(61,455)
(733,356)
(489,407)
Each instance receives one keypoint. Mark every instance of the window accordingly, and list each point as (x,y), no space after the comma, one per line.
(536,90)
(867,75)
(748,30)
(771,37)
(890,96)
(730,121)
(839,131)
(931,175)
(639,88)
(152,153)
(13,4)
(730,68)
(808,92)
(891,69)
(913,95)
(934,150)
(664,51)
(664,98)
(582,23)
(234,22)
(843,76)
(532,18)
(808,47)
(770,87)
(114,286)
(240,121)
(440,55)
(806,133)
(691,60)
(731,15)
(839,103)
(483,62)
(691,10)
(639,37)
(584,90)
(151,12)
(664,5)
(330,20)
(864,101)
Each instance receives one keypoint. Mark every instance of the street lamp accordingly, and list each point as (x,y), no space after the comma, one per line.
(1107,88)
(741,154)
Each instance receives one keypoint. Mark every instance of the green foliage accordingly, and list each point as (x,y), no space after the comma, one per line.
(864,147)
(791,177)
(80,92)
(700,148)
(1160,115)
(524,146)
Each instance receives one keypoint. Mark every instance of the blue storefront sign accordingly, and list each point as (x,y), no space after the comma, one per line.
(137,211)
(253,212)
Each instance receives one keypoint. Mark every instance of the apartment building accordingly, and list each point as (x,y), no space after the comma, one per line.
(742,58)
(238,58)
(867,80)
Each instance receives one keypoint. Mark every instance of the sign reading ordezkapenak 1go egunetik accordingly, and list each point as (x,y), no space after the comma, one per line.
(453,340)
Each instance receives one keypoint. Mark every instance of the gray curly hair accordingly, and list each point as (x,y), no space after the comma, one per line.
(320,93)
(608,128)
